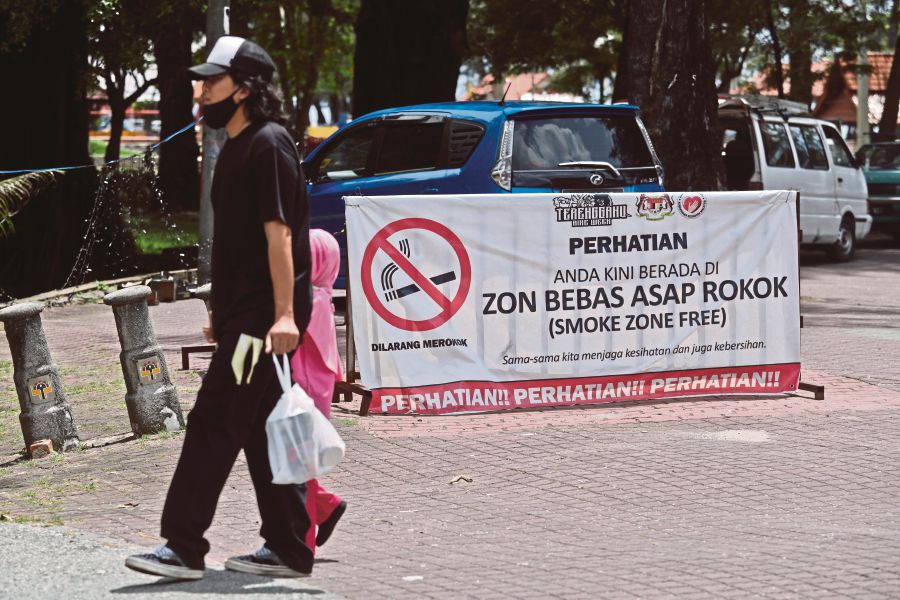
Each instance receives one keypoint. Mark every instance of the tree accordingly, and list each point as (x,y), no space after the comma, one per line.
(178,172)
(639,43)
(119,52)
(887,128)
(734,31)
(578,39)
(407,52)
(682,108)
(776,66)
(43,51)
(303,38)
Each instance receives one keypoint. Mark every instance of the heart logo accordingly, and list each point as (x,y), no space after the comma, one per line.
(692,204)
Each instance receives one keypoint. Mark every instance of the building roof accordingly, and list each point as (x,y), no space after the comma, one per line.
(880,62)
(840,104)
(524,86)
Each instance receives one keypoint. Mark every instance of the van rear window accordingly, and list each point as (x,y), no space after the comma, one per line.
(540,144)
(776,145)
(809,147)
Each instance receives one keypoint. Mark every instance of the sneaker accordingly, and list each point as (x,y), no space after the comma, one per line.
(163,562)
(262,562)
(327,526)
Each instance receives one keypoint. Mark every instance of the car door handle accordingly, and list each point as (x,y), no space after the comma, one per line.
(431,190)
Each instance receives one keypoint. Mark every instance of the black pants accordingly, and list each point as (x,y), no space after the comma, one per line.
(226,418)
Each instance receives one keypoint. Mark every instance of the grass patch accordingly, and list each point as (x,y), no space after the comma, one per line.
(10,432)
(98,149)
(162,435)
(42,498)
(349,422)
(97,381)
(32,520)
(152,236)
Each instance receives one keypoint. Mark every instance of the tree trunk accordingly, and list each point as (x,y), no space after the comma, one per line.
(639,43)
(178,171)
(800,52)
(407,52)
(777,68)
(895,23)
(682,114)
(49,129)
(117,107)
(622,83)
(887,129)
(320,114)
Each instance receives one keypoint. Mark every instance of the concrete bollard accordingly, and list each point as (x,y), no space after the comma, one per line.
(151,397)
(203,293)
(45,411)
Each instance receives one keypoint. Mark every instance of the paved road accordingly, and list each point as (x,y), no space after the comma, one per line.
(87,567)
(782,497)
(852,310)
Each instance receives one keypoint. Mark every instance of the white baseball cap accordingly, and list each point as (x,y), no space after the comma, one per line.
(235,55)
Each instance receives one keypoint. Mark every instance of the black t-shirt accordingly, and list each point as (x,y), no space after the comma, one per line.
(257,179)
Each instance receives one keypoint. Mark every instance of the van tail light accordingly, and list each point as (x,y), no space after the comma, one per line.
(755,186)
(502,171)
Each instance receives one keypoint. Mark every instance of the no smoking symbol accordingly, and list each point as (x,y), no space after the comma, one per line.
(402,261)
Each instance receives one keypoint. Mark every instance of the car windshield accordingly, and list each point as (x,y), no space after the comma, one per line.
(577,142)
(882,158)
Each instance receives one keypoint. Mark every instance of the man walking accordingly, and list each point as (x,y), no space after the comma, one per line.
(261,297)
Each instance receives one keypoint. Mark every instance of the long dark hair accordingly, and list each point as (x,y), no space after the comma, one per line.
(265,102)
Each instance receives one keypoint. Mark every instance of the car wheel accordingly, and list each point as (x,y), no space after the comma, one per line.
(845,246)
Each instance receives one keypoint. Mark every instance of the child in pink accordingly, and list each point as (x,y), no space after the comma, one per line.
(315,366)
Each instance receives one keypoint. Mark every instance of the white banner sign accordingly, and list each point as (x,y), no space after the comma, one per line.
(490,302)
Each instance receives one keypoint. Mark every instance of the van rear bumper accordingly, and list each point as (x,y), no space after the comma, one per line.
(863,226)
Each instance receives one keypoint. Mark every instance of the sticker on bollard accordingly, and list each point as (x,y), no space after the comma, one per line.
(41,389)
(148,370)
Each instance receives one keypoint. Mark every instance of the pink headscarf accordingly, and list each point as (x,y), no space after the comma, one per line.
(316,364)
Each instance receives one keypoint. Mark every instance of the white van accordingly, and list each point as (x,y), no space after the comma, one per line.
(771,144)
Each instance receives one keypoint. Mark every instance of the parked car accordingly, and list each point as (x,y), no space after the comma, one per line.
(770,144)
(480,148)
(881,165)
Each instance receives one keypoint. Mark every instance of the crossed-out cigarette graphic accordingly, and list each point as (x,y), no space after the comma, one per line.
(387,277)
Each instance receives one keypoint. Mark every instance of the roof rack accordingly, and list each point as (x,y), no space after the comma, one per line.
(764,104)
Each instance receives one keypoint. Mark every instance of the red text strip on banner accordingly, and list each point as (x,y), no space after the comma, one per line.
(479,396)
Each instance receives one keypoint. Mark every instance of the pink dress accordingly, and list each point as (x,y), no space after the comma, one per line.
(316,364)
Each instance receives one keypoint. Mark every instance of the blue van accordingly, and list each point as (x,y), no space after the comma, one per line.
(480,148)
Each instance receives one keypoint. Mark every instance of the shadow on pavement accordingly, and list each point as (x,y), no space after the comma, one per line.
(217,582)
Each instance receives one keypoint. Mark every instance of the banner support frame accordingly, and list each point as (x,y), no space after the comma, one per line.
(344,390)
(817,390)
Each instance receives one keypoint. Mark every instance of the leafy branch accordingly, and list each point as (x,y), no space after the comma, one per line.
(17,192)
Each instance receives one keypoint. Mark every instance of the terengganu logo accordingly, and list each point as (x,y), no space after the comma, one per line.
(655,207)
(588,210)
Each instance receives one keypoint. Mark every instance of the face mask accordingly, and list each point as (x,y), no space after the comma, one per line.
(217,114)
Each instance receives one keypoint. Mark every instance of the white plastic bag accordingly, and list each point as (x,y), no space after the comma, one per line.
(303,444)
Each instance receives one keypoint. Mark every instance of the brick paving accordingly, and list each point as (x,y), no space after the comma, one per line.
(774,497)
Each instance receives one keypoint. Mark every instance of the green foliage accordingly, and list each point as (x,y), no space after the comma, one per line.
(152,235)
(523,35)
(311,42)
(98,149)
(119,42)
(18,19)
(17,192)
